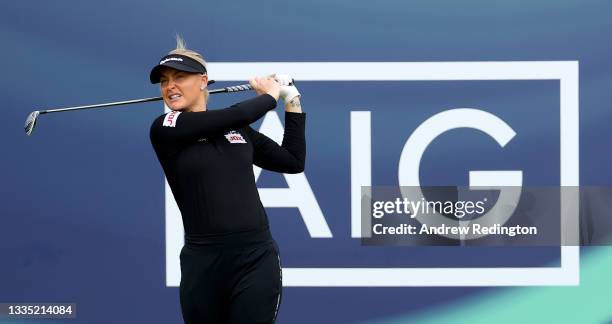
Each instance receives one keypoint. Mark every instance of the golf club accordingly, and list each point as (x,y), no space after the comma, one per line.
(33,116)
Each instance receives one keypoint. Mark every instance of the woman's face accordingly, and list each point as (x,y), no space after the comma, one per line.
(182,90)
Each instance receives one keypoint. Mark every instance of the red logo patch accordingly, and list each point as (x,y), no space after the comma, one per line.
(170,120)
(234,137)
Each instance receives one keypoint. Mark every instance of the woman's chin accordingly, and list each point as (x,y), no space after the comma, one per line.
(176,106)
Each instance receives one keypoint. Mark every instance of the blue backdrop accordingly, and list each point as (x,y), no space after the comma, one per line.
(82,212)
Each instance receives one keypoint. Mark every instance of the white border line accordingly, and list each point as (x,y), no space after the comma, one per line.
(565,71)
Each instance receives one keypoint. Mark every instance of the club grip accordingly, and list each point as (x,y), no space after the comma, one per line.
(242,87)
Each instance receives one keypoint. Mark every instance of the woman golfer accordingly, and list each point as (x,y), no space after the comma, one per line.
(230,265)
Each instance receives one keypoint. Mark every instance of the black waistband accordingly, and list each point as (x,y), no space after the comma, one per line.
(251,237)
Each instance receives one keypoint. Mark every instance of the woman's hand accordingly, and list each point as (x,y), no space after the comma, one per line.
(263,85)
(288,91)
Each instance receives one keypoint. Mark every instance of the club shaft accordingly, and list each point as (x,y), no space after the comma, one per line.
(109,104)
(242,87)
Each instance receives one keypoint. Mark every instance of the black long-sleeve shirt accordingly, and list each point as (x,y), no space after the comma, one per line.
(208,160)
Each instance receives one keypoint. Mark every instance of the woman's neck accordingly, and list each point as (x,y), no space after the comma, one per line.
(200,105)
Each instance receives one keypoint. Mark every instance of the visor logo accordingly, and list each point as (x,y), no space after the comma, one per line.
(171,59)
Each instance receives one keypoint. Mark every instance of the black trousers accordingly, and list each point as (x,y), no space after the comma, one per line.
(233,278)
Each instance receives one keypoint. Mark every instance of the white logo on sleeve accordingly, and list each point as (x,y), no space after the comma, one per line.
(234,137)
(171,117)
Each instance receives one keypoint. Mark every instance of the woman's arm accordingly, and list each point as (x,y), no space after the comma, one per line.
(176,128)
(171,131)
(290,157)
(294,105)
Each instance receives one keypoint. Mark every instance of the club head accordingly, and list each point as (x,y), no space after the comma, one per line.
(31,122)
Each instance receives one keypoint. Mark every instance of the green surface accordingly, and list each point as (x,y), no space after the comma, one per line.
(591,302)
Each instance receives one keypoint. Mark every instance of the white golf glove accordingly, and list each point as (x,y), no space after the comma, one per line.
(288,91)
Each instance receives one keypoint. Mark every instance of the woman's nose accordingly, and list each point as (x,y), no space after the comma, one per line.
(170,84)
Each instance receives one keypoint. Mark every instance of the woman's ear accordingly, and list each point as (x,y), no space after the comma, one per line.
(204,81)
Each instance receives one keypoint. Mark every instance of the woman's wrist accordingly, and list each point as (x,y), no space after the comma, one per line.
(294,105)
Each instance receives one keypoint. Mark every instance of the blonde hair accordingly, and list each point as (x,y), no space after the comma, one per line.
(181,49)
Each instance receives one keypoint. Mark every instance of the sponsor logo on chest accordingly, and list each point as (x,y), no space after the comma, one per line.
(234,137)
